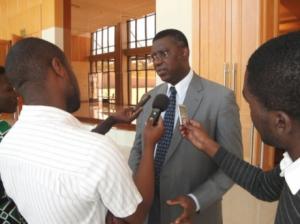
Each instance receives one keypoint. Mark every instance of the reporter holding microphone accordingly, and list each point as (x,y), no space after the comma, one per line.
(54,169)
(271,88)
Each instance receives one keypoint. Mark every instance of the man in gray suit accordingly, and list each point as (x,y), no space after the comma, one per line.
(189,186)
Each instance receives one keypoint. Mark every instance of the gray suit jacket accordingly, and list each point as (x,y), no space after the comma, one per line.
(186,169)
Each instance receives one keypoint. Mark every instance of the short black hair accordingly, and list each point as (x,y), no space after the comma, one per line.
(2,70)
(274,74)
(177,35)
(29,60)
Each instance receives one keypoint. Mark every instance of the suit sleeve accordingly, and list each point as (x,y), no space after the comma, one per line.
(136,151)
(227,134)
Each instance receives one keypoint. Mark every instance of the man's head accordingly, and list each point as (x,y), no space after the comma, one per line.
(40,72)
(272,88)
(8,97)
(170,55)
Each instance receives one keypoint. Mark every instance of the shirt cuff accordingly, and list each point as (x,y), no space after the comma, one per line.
(196,201)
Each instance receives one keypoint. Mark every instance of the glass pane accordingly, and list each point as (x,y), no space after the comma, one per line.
(99,66)
(141,29)
(99,40)
(111,65)
(150,27)
(111,49)
(99,51)
(151,79)
(132,45)
(99,87)
(141,83)
(132,35)
(112,86)
(105,32)
(94,43)
(93,67)
(141,43)
(133,88)
(149,63)
(111,33)
(132,63)
(105,66)
(105,50)
(104,85)
(141,64)
(149,42)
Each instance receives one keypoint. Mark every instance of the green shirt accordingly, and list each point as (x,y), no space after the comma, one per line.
(9,213)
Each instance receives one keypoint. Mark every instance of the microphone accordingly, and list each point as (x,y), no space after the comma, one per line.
(159,105)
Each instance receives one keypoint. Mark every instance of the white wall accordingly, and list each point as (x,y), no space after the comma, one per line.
(175,14)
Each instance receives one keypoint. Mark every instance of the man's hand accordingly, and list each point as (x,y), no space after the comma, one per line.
(127,115)
(188,206)
(194,132)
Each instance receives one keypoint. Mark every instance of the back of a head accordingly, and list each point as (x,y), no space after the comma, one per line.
(177,35)
(28,62)
(274,74)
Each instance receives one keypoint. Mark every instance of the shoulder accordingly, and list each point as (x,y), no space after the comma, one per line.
(211,90)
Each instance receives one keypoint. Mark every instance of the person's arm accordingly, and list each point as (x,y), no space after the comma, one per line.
(266,186)
(144,176)
(126,116)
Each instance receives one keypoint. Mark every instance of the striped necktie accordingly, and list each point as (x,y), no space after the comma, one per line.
(164,142)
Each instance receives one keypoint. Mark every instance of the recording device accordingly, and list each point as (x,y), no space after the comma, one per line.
(159,105)
(142,102)
(183,114)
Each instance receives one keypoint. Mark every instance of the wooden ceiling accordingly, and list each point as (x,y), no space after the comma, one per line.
(90,15)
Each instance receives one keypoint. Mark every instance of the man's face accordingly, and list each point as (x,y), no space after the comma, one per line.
(8,97)
(169,59)
(261,118)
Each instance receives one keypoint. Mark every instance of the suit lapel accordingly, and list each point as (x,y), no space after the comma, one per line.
(192,101)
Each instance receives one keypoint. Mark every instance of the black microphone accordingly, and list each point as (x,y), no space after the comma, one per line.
(159,105)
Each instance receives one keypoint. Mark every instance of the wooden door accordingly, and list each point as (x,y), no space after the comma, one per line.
(229,32)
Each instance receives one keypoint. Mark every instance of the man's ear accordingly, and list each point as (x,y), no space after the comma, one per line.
(283,122)
(58,67)
(186,52)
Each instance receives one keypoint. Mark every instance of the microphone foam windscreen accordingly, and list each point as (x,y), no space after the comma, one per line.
(161,102)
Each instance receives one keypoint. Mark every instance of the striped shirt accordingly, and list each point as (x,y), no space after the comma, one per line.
(267,186)
(57,172)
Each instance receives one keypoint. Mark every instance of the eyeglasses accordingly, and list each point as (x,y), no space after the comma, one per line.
(159,55)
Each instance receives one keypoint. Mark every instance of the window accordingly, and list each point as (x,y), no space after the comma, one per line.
(141,77)
(102,71)
(103,41)
(114,69)
(141,74)
(102,81)
(141,31)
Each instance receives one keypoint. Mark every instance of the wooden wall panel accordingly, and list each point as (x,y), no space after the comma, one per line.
(80,48)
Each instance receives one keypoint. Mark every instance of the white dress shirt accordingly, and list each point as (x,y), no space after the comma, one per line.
(58,172)
(291,171)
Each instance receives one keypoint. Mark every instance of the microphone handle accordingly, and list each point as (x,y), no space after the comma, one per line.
(155,113)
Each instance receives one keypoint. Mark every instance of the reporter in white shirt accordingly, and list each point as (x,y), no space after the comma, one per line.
(55,170)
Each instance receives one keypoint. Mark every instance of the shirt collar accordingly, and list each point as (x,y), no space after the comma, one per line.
(39,113)
(290,171)
(182,86)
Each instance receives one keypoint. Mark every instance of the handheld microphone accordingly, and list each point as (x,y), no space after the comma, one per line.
(159,105)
